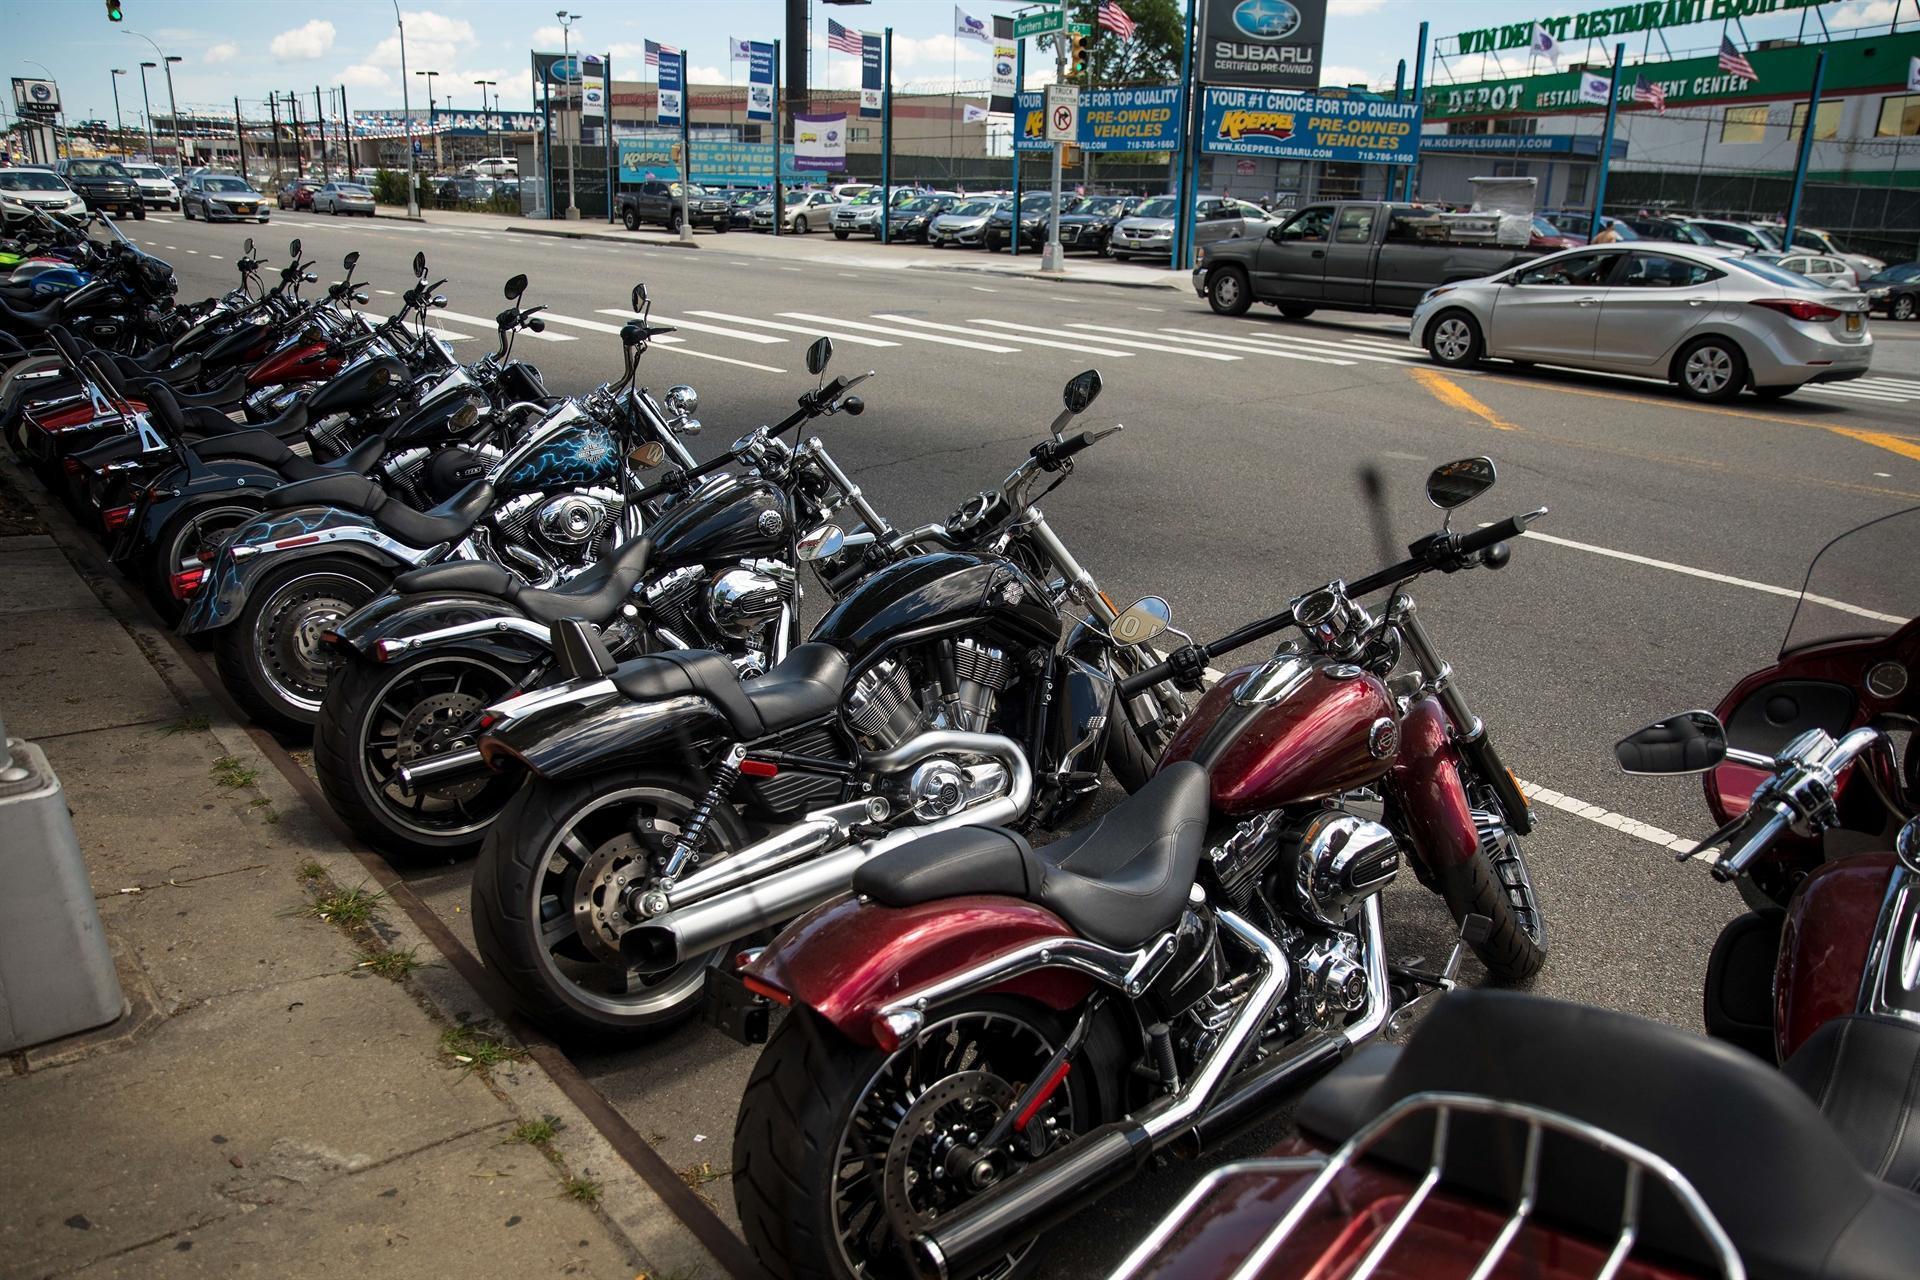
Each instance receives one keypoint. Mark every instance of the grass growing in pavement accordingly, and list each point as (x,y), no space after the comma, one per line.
(476,1050)
(311,870)
(584,1190)
(230,771)
(392,965)
(350,908)
(535,1133)
(187,724)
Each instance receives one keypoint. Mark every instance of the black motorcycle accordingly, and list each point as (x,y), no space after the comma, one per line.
(673,808)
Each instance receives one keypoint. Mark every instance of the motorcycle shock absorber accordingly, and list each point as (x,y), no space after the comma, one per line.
(725,774)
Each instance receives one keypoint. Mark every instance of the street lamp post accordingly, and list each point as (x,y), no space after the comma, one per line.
(566,61)
(147,107)
(430,117)
(486,113)
(406,113)
(119,129)
(174,107)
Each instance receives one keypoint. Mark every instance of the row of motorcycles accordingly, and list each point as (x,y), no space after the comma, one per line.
(536,627)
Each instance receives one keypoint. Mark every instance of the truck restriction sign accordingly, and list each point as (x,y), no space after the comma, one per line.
(1063,113)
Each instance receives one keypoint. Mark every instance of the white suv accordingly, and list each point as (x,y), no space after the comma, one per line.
(495,167)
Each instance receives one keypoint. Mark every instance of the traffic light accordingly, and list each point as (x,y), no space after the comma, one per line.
(113,10)
(1077,60)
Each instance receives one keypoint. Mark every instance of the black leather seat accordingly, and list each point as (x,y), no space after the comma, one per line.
(31,320)
(175,376)
(445,523)
(270,450)
(1792,1196)
(805,685)
(1864,1075)
(228,392)
(593,595)
(1119,881)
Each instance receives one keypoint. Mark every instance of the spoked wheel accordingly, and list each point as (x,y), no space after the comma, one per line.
(842,1152)
(376,717)
(1497,884)
(179,548)
(272,659)
(552,894)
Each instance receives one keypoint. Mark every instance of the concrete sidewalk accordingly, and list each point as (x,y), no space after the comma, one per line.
(820,247)
(302,1085)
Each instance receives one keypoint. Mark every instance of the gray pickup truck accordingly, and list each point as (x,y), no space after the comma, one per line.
(1349,255)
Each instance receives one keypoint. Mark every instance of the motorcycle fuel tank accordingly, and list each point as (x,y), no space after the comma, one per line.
(730,518)
(584,453)
(934,591)
(1292,729)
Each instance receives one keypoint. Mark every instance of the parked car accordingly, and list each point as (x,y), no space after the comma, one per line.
(912,219)
(337,198)
(741,204)
(963,226)
(156,188)
(1821,268)
(1736,235)
(1088,226)
(857,215)
(25,192)
(104,184)
(1547,236)
(297,194)
(218,197)
(1896,291)
(463,190)
(658,202)
(494,167)
(1711,322)
(1359,255)
(1034,210)
(1672,230)
(1815,240)
(848,190)
(805,211)
(1148,231)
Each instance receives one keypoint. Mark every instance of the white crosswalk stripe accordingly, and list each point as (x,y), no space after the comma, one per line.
(1032,342)
(670,340)
(452,335)
(1231,344)
(1316,346)
(486,323)
(811,331)
(598,326)
(697,327)
(1864,394)
(1163,347)
(902,333)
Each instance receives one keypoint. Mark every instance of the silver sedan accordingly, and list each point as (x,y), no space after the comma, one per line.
(1711,323)
(1148,232)
(343,197)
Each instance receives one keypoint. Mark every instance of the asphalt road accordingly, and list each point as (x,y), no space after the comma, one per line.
(1666,569)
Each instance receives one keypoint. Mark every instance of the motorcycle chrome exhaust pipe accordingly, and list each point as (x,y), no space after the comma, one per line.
(683,933)
(438,770)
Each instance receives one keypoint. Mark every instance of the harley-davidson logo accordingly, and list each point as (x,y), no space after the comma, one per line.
(1011,592)
(771,523)
(1383,738)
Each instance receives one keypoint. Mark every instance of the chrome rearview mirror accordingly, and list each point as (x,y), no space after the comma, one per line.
(1144,619)
(819,355)
(682,400)
(1455,484)
(821,542)
(1691,742)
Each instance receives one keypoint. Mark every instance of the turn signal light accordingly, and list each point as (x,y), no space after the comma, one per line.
(186,583)
(115,518)
(1800,309)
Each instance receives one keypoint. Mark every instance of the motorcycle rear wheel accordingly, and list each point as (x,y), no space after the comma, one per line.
(804,1176)
(270,659)
(179,545)
(527,902)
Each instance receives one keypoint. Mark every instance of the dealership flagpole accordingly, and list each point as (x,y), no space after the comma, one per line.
(1807,132)
(1419,98)
(1189,155)
(1606,138)
(886,139)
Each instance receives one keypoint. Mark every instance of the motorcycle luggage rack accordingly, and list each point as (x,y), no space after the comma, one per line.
(1326,1169)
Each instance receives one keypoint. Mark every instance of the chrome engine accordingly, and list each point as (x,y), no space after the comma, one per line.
(982,673)
(745,602)
(742,601)
(551,537)
(886,709)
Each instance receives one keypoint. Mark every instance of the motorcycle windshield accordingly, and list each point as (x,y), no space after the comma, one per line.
(1864,584)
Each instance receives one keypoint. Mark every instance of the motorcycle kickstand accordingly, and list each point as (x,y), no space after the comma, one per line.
(1474,929)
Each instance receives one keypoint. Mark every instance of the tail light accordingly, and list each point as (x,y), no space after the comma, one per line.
(73,465)
(186,583)
(1800,309)
(116,517)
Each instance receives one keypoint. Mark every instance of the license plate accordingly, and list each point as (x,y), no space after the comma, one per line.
(1854,322)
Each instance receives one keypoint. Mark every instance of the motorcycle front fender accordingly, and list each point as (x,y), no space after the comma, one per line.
(1425,778)
(392,616)
(847,959)
(314,531)
(603,729)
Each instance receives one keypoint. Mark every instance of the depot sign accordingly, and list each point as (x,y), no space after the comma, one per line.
(1622,19)
(1269,43)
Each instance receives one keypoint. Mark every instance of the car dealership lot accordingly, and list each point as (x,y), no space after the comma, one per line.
(1665,571)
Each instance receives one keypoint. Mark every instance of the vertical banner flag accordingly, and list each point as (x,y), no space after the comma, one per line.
(759,80)
(1543,41)
(1594,88)
(970,114)
(820,142)
(593,84)
(739,50)
(673,76)
(870,75)
(1003,69)
(968,27)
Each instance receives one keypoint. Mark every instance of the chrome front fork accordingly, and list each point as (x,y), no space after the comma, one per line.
(1439,675)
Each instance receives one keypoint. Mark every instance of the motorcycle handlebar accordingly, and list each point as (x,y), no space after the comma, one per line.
(1735,863)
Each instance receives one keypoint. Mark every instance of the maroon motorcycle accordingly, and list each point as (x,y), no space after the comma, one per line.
(1599,1143)
(987,1036)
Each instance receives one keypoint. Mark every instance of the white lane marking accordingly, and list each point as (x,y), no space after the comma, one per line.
(1538,794)
(847,275)
(806,330)
(1905,384)
(764,339)
(789,268)
(385,293)
(903,333)
(154,243)
(173,246)
(1243,344)
(1162,347)
(1710,576)
(1139,308)
(450,335)
(980,288)
(599,326)
(738,263)
(1032,342)
(1859,393)
(1310,346)
(707,355)
(1883,475)
(217,257)
(486,323)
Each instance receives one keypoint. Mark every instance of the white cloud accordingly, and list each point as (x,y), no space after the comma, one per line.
(549,38)
(1334,73)
(708,75)
(362,76)
(433,41)
(314,40)
(221,53)
(1862,13)
(1354,6)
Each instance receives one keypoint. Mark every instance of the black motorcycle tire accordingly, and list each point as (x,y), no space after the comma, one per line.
(240,661)
(340,754)
(797,1102)
(511,857)
(1509,953)
(157,569)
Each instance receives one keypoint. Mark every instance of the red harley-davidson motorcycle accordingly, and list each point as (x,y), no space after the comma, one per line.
(986,1036)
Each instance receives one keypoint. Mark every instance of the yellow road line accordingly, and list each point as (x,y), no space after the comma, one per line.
(1902,445)
(1449,392)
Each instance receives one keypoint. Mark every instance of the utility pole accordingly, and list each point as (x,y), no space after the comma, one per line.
(779,197)
(432,120)
(566,61)
(174,106)
(273,117)
(147,107)
(119,130)
(486,113)
(346,127)
(299,139)
(406,112)
(320,115)
(239,139)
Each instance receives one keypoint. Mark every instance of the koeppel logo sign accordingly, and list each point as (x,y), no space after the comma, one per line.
(1264,43)
(1236,125)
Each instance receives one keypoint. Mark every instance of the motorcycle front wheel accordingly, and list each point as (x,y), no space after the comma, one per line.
(840,1150)
(1133,752)
(1496,883)
(547,900)
(376,717)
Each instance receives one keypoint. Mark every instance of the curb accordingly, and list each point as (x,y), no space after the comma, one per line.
(1058,277)
(464,984)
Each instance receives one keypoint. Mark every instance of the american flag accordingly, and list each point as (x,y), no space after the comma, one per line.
(1654,93)
(1115,19)
(842,39)
(654,50)
(1735,62)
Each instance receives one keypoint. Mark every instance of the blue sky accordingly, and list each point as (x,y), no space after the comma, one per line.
(248,47)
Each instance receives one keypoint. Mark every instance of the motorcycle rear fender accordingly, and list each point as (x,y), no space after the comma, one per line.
(341,533)
(216,482)
(848,959)
(1426,780)
(574,736)
(392,616)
